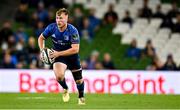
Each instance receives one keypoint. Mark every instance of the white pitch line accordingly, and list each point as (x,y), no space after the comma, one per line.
(26,98)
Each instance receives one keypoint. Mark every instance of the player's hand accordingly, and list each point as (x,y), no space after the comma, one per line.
(41,55)
(54,54)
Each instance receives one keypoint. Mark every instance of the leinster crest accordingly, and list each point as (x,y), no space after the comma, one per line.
(66,37)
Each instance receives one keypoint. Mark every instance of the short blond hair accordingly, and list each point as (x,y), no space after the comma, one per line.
(62,10)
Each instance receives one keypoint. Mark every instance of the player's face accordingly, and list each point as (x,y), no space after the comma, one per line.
(61,20)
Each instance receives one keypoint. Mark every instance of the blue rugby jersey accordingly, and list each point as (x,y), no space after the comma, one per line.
(62,40)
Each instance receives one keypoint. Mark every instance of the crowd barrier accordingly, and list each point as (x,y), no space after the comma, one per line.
(96,81)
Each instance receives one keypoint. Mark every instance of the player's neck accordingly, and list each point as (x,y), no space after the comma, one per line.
(62,29)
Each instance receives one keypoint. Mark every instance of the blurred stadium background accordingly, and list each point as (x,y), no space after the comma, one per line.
(127,47)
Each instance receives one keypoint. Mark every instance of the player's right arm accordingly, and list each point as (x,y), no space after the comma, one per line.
(44,35)
(41,41)
(41,44)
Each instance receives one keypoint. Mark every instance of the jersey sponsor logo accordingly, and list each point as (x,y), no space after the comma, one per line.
(60,42)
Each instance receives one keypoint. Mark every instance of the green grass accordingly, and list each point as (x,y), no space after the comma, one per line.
(93,101)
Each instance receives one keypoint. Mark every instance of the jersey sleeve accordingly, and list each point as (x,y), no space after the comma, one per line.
(75,36)
(48,31)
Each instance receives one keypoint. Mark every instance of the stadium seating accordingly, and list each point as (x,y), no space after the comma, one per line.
(143,29)
(163,39)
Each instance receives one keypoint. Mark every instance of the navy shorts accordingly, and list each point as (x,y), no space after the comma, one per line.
(72,62)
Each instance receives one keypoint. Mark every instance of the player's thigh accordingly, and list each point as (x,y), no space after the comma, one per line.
(74,64)
(59,70)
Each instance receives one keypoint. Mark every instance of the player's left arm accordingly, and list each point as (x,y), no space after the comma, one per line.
(75,44)
(73,50)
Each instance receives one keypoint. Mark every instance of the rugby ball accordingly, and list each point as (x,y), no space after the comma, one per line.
(45,53)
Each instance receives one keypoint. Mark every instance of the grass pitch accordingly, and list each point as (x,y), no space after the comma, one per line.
(93,101)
